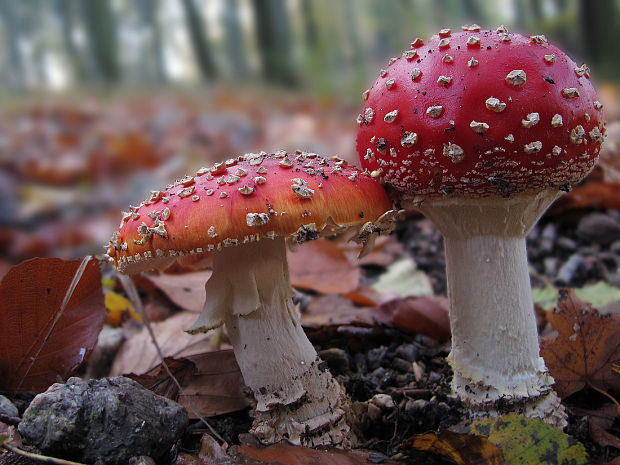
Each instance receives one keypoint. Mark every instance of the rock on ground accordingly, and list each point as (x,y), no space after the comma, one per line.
(7,408)
(109,419)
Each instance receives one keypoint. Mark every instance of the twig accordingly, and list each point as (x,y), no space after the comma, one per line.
(132,292)
(8,420)
(76,279)
(39,457)
(606,394)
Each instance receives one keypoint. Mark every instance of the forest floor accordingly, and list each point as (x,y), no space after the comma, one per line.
(380,323)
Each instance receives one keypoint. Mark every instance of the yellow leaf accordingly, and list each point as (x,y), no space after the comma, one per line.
(115,306)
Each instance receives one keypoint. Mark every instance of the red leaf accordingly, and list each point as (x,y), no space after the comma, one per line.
(599,195)
(322,267)
(421,315)
(31,294)
(212,383)
(287,454)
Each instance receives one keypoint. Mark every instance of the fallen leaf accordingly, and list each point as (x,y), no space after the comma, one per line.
(334,310)
(187,290)
(403,279)
(609,158)
(322,267)
(530,441)
(599,434)
(592,195)
(463,449)
(211,383)
(138,354)
(116,306)
(286,454)
(216,387)
(384,251)
(31,295)
(586,347)
(418,315)
(364,296)
(600,294)
(158,380)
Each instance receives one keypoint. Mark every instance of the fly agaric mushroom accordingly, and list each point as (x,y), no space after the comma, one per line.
(242,210)
(481,131)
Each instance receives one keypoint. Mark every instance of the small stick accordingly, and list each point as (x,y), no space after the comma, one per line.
(132,292)
(40,458)
(609,396)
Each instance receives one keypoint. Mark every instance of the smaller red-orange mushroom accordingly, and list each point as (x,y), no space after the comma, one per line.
(242,211)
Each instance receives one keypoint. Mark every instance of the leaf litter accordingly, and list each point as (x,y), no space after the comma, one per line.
(390,358)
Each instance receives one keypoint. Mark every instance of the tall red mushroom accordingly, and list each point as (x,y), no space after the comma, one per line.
(242,211)
(481,131)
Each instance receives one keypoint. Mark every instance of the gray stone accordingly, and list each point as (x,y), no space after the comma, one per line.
(8,408)
(110,419)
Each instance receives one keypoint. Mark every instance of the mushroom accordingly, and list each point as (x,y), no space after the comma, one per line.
(242,211)
(483,143)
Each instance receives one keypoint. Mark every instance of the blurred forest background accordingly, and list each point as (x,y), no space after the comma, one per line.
(105,100)
(326,46)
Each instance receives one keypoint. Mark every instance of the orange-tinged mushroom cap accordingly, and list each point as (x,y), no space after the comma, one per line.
(252,197)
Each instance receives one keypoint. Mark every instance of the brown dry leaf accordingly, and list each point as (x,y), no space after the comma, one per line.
(322,267)
(596,195)
(335,310)
(419,315)
(187,290)
(31,295)
(384,251)
(211,383)
(138,354)
(463,449)
(216,387)
(158,380)
(364,296)
(609,158)
(599,434)
(586,347)
(286,454)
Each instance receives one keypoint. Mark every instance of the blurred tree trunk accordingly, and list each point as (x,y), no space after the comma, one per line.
(16,65)
(599,28)
(521,16)
(274,41)
(310,29)
(234,39)
(197,29)
(353,36)
(473,13)
(155,51)
(65,14)
(101,33)
(536,8)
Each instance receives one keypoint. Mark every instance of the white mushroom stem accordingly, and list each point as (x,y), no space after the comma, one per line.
(297,399)
(495,353)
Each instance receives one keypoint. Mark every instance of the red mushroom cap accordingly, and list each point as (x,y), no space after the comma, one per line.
(480,113)
(245,199)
